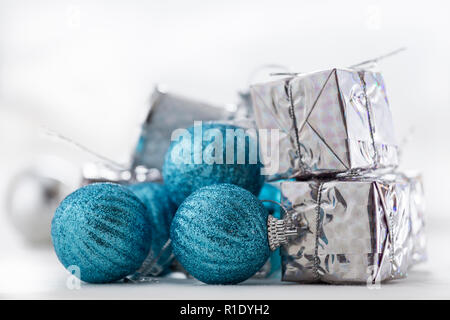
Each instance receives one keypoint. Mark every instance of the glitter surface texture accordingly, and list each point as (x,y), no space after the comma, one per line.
(219,234)
(102,229)
(160,212)
(183,174)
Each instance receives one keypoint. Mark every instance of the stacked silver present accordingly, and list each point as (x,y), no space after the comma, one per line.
(358,220)
(167,113)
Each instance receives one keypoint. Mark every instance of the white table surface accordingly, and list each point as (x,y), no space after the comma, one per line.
(35,273)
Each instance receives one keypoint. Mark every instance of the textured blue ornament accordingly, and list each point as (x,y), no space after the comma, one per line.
(184,178)
(160,212)
(101,228)
(219,234)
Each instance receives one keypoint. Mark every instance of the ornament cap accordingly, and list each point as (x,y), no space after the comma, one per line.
(279,231)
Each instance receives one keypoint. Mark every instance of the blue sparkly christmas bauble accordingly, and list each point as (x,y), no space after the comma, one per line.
(160,212)
(103,230)
(219,234)
(204,156)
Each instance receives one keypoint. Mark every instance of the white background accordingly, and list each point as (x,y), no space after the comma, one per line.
(86,70)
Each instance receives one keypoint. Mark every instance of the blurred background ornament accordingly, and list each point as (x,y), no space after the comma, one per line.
(223,234)
(34,193)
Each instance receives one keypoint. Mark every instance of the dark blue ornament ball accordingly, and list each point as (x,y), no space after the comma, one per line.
(103,230)
(160,212)
(219,234)
(183,174)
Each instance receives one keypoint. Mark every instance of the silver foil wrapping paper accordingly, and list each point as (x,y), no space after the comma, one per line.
(351,230)
(329,122)
(101,172)
(167,113)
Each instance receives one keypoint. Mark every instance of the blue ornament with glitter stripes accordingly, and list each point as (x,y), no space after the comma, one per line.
(271,192)
(219,234)
(103,230)
(193,161)
(160,212)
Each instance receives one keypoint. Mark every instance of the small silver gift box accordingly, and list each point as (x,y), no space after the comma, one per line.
(167,113)
(329,122)
(353,230)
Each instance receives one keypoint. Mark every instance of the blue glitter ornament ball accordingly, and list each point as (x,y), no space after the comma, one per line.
(103,230)
(219,234)
(160,212)
(204,156)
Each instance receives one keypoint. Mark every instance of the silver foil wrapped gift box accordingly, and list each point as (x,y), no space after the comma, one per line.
(352,230)
(329,122)
(167,113)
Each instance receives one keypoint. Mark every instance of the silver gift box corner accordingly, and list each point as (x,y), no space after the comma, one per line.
(329,122)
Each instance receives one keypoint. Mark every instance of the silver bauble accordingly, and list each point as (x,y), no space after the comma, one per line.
(31,201)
